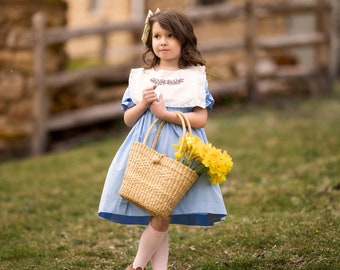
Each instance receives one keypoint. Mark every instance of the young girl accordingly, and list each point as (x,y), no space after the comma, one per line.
(172,79)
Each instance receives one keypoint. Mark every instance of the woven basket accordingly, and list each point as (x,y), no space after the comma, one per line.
(154,181)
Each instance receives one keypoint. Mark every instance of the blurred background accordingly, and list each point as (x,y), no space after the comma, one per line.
(64,64)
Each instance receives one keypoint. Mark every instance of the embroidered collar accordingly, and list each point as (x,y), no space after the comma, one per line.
(157,81)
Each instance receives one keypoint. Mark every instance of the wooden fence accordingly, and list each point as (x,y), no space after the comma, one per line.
(41,37)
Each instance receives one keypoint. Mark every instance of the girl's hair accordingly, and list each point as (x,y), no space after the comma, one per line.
(180,26)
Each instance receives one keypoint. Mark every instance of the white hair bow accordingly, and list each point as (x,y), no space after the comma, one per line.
(147,26)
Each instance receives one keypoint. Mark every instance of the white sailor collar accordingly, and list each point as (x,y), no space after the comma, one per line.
(180,88)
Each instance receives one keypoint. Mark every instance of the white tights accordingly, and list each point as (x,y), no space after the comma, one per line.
(153,245)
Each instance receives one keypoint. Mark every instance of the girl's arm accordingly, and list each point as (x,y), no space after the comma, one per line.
(198,117)
(132,114)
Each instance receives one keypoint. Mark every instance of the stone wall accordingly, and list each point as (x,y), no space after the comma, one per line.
(16,70)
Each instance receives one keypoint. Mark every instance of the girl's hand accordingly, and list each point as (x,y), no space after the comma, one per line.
(149,96)
(158,108)
(132,115)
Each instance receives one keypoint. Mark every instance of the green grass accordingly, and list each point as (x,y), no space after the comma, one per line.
(282,197)
(75,64)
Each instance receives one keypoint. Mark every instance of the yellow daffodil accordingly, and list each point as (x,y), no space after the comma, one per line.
(203,158)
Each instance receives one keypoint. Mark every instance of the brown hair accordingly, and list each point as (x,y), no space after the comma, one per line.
(179,25)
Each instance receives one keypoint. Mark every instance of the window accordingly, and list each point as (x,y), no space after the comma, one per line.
(94,5)
(209,2)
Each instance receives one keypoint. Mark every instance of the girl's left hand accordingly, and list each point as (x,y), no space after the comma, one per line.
(158,108)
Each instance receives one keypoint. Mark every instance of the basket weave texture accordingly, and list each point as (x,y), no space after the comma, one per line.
(154,181)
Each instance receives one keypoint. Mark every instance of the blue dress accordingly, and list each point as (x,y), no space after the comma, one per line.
(202,205)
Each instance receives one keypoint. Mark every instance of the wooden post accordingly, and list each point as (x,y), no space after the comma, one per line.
(335,44)
(137,14)
(137,10)
(335,40)
(39,132)
(103,46)
(251,47)
(323,49)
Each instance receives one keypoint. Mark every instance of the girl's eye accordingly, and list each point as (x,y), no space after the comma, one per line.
(171,35)
(156,36)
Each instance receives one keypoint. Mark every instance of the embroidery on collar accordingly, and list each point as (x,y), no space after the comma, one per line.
(168,82)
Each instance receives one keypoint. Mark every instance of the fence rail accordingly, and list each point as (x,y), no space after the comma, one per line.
(40,37)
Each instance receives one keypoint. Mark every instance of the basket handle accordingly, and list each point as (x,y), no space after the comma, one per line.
(185,125)
(157,134)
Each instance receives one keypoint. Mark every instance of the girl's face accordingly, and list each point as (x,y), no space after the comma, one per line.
(166,46)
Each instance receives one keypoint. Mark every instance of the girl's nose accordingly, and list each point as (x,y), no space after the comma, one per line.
(164,42)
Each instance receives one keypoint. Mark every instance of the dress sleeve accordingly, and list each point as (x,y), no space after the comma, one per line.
(209,100)
(126,101)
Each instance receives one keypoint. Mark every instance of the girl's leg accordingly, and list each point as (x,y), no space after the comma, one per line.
(151,240)
(159,260)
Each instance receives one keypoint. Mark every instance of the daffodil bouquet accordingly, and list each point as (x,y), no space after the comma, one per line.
(203,158)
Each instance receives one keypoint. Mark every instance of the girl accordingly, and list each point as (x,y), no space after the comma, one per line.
(172,79)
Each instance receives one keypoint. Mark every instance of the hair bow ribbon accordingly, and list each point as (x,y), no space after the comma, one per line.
(147,26)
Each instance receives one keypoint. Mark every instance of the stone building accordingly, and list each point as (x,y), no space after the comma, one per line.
(86,13)
(119,49)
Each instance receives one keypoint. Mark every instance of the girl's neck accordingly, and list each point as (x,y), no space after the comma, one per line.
(167,66)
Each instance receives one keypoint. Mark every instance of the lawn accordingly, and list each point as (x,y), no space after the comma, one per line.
(282,198)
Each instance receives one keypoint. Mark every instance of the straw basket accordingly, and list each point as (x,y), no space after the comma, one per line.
(154,181)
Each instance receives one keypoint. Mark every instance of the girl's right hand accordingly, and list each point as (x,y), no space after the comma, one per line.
(149,96)
(132,114)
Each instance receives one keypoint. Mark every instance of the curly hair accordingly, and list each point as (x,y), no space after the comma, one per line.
(180,26)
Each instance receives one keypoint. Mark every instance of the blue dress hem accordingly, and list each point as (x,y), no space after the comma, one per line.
(187,219)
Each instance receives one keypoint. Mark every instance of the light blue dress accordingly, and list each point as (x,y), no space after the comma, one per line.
(201,206)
